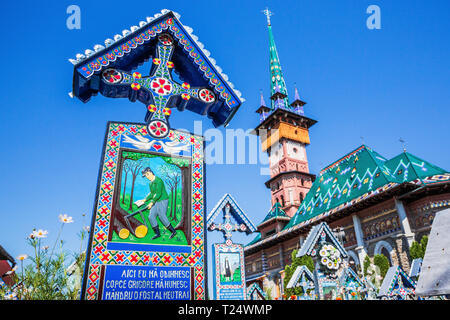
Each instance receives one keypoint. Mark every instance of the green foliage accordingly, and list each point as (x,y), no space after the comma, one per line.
(290,269)
(366,264)
(269,294)
(236,277)
(381,262)
(179,162)
(423,243)
(45,275)
(415,251)
(136,155)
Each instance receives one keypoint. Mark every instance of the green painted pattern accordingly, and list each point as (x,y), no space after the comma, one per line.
(275,212)
(276,74)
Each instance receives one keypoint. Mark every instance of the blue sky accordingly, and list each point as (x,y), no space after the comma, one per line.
(377,84)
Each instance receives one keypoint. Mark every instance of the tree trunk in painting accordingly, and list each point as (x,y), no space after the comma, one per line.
(134,173)
(175,198)
(121,230)
(125,182)
(138,229)
(130,207)
(171,178)
(171,203)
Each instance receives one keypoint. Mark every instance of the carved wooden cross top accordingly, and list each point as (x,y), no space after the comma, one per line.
(158,87)
(227,227)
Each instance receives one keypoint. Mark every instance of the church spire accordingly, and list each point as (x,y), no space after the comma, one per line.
(277,83)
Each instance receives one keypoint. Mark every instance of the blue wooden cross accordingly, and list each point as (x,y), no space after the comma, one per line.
(228,227)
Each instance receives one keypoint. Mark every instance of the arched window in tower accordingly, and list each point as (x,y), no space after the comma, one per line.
(352,264)
(277,201)
(303,182)
(301,197)
(282,200)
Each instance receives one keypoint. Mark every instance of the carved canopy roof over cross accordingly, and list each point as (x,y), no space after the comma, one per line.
(171,47)
(228,207)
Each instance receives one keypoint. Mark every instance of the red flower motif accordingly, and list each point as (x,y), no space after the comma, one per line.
(206,95)
(158,128)
(112,76)
(161,86)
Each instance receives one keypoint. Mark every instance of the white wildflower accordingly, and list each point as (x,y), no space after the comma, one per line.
(64,218)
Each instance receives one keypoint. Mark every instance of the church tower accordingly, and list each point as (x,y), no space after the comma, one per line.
(284,135)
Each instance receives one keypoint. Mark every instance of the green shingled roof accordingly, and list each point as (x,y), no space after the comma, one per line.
(275,212)
(359,174)
(355,177)
(255,240)
(408,167)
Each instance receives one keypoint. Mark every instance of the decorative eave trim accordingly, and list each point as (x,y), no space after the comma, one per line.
(273,219)
(279,174)
(227,198)
(309,122)
(94,60)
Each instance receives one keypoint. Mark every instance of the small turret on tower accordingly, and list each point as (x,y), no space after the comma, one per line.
(263,110)
(298,104)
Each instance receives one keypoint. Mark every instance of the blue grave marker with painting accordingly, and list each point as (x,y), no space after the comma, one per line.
(229,265)
(146,283)
(149,212)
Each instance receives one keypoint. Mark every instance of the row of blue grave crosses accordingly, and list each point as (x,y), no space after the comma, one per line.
(333,278)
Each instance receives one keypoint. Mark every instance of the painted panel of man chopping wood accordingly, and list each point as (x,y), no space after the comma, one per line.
(152,199)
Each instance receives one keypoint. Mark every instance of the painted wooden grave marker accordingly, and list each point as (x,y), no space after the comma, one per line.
(148,227)
(229,266)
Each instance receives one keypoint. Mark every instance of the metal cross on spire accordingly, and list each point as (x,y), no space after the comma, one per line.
(267,13)
(403,142)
